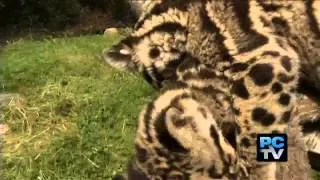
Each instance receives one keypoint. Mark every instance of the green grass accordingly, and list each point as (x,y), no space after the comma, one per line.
(73,117)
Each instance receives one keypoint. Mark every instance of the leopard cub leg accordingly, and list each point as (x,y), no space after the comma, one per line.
(264,95)
(180,136)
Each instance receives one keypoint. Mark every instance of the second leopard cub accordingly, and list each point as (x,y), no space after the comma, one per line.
(187,133)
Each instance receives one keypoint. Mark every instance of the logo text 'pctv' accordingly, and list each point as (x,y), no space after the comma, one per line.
(272,147)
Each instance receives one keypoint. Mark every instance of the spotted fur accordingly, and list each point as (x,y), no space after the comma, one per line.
(257,47)
(182,135)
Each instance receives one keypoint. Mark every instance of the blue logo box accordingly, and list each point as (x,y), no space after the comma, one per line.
(272,147)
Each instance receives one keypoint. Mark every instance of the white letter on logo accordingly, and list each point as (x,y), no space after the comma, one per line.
(265,153)
(274,154)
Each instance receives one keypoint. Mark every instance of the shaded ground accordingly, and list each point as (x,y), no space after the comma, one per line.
(93,22)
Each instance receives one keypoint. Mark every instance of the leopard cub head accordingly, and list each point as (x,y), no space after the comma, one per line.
(155,54)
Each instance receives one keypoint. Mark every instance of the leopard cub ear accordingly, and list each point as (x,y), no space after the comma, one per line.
(120,56)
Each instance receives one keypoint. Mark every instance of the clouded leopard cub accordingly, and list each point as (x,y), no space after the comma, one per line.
(262,48)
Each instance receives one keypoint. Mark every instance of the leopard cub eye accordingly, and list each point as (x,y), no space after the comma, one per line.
(154,52)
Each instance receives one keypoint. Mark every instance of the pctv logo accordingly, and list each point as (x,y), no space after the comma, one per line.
(272,147)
